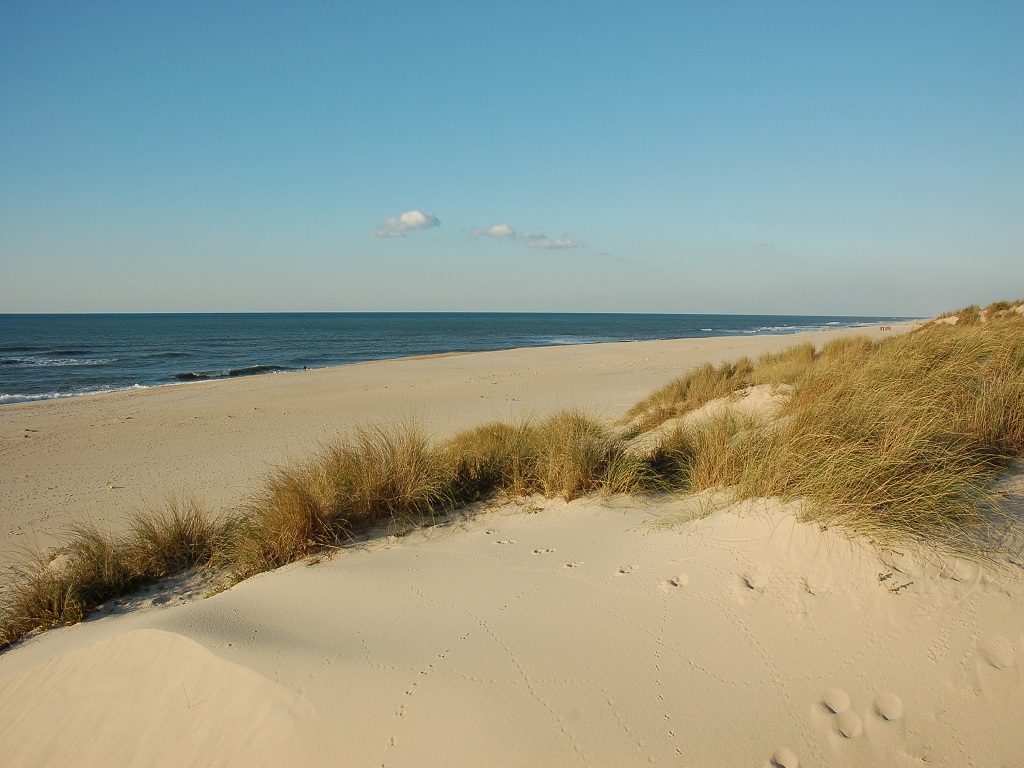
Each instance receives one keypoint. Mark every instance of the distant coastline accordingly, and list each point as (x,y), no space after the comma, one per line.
(44,357)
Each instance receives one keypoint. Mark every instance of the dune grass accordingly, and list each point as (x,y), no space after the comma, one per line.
(688,393)
(396,477)
(97,566)
(898,439)
(380,476)
(708,382)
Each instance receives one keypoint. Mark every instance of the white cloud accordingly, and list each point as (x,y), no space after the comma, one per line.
(503,231)
(397,226)
(533,238)
(556,244)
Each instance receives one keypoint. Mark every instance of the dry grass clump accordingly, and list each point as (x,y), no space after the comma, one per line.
(997,307)
(721,447)
(495,457)
(568,454)
(172,539)
(785,367)
(1001,309)
(286,521)
(381,475)
(847,349)
(97,566)
(572,456)
(969,315)
(578,455)
(393,473)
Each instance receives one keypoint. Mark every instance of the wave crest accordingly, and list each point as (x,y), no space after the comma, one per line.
(56,361)
(11,399)
(250,370)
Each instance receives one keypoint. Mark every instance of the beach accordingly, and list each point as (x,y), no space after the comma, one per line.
(604,631)
(217,439)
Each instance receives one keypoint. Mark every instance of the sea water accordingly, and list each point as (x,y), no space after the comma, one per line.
(50,356)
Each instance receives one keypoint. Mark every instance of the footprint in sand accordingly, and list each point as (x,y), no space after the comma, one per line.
(817,584)
(995,667)
(573,564)
(750,585)
(543,551)
(628,568)
(785,758)
(757,578)
(960,570)
(675,582)
(836,700)
(506,541)
(889,706)
(848,722)
(996,650)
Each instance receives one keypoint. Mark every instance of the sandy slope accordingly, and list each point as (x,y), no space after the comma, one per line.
(551,635)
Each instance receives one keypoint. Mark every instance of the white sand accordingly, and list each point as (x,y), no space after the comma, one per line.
(572,635)
(545,634)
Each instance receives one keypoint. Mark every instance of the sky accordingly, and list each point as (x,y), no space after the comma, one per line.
(737,157)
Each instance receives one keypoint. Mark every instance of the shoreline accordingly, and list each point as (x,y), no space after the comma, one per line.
(15,398)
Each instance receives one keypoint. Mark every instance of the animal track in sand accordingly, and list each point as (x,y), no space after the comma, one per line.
(574,564)
(505,541)
(939,647)
(628,568)
(544,551)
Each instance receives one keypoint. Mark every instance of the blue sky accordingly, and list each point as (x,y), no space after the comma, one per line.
(848,158)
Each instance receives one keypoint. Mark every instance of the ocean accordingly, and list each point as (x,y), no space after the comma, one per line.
(50,356)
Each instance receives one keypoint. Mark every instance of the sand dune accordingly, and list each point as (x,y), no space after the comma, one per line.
(594,633)
(148,697)
(549,634)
